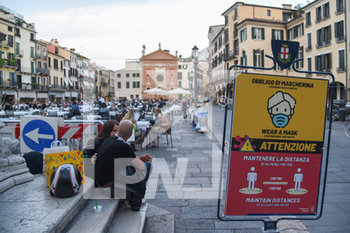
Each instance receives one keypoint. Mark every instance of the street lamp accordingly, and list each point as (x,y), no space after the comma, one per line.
(195,62)
(49,93)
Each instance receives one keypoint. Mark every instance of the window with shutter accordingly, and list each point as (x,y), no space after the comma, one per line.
(329,61)
(309,62)
(323,66)
(262,33)
(322,36)
(341,60)
(253,33)
(288,34)
(254,57)
(302,29)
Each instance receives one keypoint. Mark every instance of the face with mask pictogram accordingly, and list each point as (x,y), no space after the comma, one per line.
(281,108)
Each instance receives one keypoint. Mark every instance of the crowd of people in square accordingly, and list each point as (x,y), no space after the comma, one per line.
(113,142)
(118,138)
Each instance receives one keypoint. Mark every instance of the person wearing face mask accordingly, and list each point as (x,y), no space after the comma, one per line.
(281,108)
(109,129)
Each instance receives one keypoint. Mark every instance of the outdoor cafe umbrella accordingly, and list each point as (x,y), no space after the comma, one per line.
(179,91)
(156,91)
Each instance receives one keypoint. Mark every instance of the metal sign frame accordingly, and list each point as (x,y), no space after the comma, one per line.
(271,225)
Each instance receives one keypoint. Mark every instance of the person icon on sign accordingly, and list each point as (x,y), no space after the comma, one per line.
(251,178)
(298,178)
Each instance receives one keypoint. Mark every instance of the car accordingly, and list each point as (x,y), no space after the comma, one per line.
(206,99)
(347,106)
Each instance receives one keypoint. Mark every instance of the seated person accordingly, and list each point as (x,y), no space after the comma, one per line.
(113,107)
(115,148)
(161,125)
(109,129)
(104,111)
(131,117)
(123,110)
(75,111)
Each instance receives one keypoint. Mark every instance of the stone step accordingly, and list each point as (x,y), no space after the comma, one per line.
(30,208)
(89,221)
(159,220)
(128,221)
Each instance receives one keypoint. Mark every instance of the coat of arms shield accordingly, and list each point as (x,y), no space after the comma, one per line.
(284,52)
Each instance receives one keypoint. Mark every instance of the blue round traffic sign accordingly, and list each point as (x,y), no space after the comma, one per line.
(38,134)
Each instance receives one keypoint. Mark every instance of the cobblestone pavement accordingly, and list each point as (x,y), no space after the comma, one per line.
(178,190)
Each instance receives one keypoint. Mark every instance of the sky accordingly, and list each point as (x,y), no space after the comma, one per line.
(110,31)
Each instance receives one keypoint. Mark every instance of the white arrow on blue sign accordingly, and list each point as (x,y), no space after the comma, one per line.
(38,134)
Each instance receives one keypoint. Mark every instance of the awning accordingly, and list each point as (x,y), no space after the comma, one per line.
(74,94)
(66,81)
(86,84)
(70,82)
(42,95)
(92,85)
(23,94)
(59,95)
(86,73)
(8,92)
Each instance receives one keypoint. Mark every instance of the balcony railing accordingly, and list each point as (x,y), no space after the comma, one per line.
(19,53)
(41,56)
(57,88)
(43,71)
(4,44)
(8,63)
(9,84)
(323,44)
(308,48)
(25,69)
(230,55)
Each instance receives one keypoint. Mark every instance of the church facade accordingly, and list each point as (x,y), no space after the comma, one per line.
(159,69)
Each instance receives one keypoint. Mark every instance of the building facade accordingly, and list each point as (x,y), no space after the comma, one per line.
(128,81)
(8,62)
(185,73)
(56,83)
(216,59)
(326,42)
(25,56)
(42,71)
(36,70)
(159,69)
(318,27)
(102,82)
(240,12)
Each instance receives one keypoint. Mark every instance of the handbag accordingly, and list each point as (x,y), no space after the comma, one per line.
(56,147)
(54,160)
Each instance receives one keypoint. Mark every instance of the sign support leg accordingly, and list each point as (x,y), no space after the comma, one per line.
(270,227)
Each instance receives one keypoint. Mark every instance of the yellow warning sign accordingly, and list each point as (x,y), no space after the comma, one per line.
(278,107)
(247,146)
